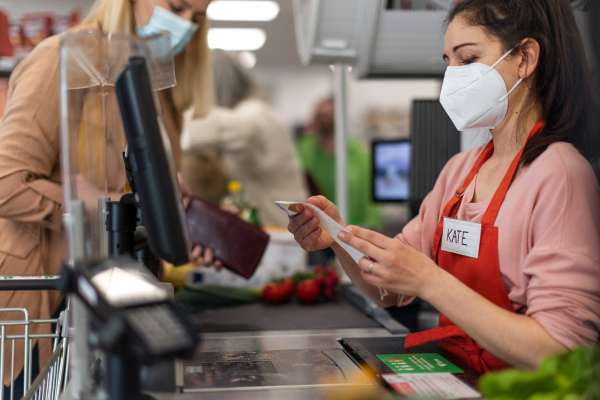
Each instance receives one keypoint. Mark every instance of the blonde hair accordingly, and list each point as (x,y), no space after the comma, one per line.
(192,66)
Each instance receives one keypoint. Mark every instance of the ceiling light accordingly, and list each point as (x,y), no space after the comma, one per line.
(230,10)
(236,39)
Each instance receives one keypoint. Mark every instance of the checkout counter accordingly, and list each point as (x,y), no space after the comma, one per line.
(347,348)
(295,351)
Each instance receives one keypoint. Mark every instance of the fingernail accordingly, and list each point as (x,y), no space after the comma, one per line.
(342,235)
(350,228)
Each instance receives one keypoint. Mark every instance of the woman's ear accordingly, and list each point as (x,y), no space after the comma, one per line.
(529,49)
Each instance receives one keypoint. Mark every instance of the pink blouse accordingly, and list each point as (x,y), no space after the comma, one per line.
(549,238)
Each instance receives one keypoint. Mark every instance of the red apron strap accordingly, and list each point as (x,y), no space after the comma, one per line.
(494,207)
(430,335)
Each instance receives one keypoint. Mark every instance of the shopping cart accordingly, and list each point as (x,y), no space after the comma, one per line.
(50,382)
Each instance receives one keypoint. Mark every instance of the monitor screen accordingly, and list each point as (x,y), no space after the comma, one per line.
(151,159)
(391,170)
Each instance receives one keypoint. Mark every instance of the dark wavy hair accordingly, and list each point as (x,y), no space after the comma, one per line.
(561,83)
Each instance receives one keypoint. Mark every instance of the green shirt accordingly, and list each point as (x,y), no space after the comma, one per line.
(321,166)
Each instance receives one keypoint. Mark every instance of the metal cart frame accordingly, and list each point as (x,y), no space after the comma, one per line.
(51,381)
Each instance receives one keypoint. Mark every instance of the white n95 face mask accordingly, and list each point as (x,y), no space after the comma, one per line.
(181,29)
(474,95)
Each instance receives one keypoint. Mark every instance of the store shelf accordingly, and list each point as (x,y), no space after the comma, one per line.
(17,9)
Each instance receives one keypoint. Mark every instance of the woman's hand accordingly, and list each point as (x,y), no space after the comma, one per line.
(391,265)
(202,256)
(305,226)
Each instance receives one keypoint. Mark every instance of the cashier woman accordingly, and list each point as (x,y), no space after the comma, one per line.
(507,244)
(31,239)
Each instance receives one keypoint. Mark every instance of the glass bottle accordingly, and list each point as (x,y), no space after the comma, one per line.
(247,210)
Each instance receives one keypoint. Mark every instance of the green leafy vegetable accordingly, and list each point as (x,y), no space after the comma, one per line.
(203,296)
(573,375)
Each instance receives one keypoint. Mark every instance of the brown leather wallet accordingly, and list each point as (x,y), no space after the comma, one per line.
(238,244)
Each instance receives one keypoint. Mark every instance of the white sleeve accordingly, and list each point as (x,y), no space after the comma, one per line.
(223,129)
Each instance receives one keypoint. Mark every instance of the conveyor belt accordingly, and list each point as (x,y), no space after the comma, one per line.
(265,317)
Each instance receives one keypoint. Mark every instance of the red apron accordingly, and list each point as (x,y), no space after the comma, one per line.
(481,274)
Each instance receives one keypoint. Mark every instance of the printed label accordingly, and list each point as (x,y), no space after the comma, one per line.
(461,237)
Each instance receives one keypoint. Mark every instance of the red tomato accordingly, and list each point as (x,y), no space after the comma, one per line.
(290,286)
(275,293)
(320,280)
(332,275)
(308,291)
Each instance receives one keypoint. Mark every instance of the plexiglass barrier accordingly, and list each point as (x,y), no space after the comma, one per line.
(93,138)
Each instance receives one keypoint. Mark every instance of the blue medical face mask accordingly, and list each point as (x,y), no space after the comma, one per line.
(181,29)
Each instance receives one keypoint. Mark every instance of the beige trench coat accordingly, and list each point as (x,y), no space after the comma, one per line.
(31,236)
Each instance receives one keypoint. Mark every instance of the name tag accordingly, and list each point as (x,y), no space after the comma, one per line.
(461,237)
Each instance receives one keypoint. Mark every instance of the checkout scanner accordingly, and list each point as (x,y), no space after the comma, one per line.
(136,322)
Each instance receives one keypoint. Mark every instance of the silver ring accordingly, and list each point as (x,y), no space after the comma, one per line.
(371,266)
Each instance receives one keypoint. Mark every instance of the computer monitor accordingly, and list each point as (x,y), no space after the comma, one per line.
(149,149)
(391,170)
